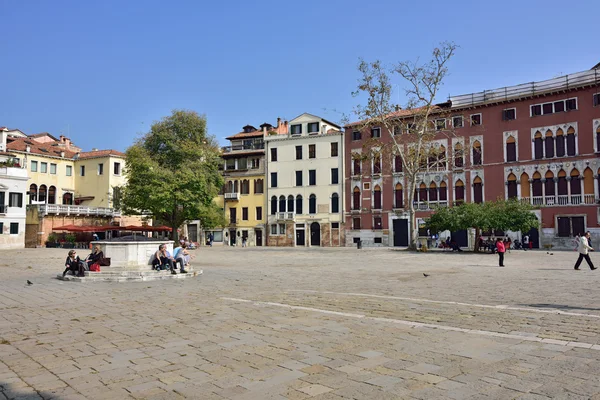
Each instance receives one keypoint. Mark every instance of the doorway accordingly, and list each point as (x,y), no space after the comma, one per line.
(300,237)
(232,237)
(258,235)
(315,234)
(400,232)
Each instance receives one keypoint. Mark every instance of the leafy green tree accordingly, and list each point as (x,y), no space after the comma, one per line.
(173,171)
(505,215)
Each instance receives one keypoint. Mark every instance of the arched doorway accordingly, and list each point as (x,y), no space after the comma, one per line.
(315,234)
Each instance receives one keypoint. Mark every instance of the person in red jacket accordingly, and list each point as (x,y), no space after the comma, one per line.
(501,249)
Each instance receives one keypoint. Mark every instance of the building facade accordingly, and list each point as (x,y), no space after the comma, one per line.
(536,142)
(13,189)
(66,185)
(305,165)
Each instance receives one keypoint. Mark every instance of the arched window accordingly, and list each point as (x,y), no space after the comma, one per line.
(442,158)
(549,144)
(377,198)
(376,163)
(52,195)
(312,204)
(536,189)
(549,188)
(570,141)
(443,192)
(459,191)
(33,193)
(598,139)
(476,153)
(356,164)
(290,203)
(458,156)
(229,187)
(335,203)
(575,187)
(525,186)
(560,143)
(258,186)
(235,187)
(397,163)
(299,204)
(512,186)
(562,187)
(67,199)
(422,193)
(433,192)
(588,186)
(273,205)
(245,186)
(281,203)
(432,159)
(538,146)
(398,198)
(42,193)
(356,198)
(511,149)
(477,190)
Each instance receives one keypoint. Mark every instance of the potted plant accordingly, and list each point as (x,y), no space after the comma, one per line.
(52,241)
(70,241)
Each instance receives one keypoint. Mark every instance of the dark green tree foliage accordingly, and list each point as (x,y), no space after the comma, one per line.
(173,171)
(504,215)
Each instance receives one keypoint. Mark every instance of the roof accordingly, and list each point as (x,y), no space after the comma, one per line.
(4,153)
(37,135)
(100,153)
(316,116)
(44,149)
(243,135)
(402,113)
(235,154)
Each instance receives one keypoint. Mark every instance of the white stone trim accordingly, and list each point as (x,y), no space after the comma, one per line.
(472,140)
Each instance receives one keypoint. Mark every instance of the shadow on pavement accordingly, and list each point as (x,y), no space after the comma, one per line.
(12,392)
(559,307)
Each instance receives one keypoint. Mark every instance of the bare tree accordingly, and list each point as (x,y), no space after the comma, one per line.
(414,128)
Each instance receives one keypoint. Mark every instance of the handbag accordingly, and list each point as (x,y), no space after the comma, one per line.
(95,267)
(105,262)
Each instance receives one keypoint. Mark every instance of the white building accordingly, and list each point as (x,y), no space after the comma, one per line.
(13,188)
(305,193)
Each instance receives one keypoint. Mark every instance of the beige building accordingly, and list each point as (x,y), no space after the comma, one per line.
(305,167)
(66,185)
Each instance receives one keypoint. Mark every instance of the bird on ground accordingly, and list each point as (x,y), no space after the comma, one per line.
(29,282)
(425,275)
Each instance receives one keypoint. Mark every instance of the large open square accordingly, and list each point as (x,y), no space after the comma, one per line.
(277,323)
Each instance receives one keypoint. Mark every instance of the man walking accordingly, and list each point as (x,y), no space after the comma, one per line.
(583,248)
(501,249)
(526,242)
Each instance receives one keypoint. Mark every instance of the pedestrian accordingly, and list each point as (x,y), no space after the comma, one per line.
(244,241)
(526,242)
(500,249)
(576,242)
(508,244)
(584,248)
(210,239)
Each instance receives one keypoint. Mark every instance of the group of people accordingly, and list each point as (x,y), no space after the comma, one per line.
(77,267)
(491,245)
(164,260)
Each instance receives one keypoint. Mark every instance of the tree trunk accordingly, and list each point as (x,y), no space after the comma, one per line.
(412,223)
(476,246)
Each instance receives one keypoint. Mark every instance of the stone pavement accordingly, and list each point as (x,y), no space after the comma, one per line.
(277,323)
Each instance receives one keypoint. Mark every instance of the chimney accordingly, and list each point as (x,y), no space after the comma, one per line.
(94,149)
(62,154)
(28,148)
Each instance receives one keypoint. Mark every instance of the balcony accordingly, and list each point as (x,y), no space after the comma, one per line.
(232,196)
(285,216)
(45,209)
(561,200)
(426,206)
(241,147)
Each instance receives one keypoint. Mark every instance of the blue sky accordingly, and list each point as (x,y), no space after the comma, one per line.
(103,71)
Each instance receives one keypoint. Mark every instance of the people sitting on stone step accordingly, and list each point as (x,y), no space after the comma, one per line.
(181,255)
(162,260)
(95,257)
(74,264)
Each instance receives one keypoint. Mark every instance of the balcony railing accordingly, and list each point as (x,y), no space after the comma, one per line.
(241,147)
(561,200)
(424,206)
(57,209)
(285,216)
(232,196)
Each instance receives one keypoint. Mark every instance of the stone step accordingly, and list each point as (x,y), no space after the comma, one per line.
(125,276)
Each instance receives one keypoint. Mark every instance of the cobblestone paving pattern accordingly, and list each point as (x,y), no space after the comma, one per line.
(278,323)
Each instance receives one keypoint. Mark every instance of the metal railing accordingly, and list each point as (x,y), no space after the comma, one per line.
(566,82)
(239,147)
(57,209)
(232,196)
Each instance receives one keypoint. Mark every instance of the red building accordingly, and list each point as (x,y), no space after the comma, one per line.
(538,142)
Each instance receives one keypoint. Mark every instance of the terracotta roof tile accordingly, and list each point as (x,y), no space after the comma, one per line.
(100,153)
(242,135)
(45,149)
(399,114)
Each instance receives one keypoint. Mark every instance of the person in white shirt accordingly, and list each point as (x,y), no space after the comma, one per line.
(584,248)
